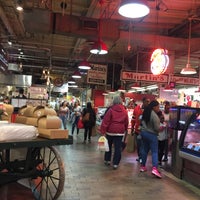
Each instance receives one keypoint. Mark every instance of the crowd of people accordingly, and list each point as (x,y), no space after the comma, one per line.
(149,127)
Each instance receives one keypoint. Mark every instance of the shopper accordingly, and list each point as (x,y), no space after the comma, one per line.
(64,113)
(162,136)
(166,116)
(135,123)
(114,126)
(90,123)
(75,115)
(149,132)
(21,94)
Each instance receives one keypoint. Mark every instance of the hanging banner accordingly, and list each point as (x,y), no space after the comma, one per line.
(132,76)
(97,74)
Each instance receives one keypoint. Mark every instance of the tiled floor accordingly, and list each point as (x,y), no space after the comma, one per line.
(87,178)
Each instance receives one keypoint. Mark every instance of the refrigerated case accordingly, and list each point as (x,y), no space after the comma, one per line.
(189,150)
(178,118)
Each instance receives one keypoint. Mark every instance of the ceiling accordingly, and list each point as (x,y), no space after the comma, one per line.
(58,34)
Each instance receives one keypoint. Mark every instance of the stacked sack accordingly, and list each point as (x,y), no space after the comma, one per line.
(44,118)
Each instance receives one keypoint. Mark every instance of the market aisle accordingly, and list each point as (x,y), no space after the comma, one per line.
(87,178)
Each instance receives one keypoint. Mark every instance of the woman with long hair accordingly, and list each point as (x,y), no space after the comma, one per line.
(149,133)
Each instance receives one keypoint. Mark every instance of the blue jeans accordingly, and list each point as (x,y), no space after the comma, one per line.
(149,142)
(117,142)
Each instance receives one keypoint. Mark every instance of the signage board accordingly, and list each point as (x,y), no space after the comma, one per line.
(97,74)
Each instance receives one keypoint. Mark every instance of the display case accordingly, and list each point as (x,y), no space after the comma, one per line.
(179,115)
(190,139)
(189,150)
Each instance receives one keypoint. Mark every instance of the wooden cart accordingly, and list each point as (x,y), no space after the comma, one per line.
(42,165)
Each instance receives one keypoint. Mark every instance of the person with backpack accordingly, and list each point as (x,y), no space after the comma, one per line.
(89,120)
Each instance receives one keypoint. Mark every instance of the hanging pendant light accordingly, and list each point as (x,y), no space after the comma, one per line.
(188,69)
(121,89)
(134,8)
(168,88)
(99,46)
(71,81)
(76,74)
(84,65)
(136,86)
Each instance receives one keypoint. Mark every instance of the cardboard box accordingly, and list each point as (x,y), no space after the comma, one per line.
(49,122)
(43,111)
(32,121)
(20,119)
(53,133)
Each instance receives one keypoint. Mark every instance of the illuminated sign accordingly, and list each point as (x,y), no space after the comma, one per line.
(159,61)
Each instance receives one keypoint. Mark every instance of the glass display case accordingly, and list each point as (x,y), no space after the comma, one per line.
(189,145)
(179,115)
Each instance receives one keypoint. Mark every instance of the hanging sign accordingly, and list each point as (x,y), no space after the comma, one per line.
(159,61)
(97,74)
(132,76)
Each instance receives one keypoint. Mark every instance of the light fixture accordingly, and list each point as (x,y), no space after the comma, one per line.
(71,81)
(19,6)
(136,86)
(121,89)
(188,69)
(112,91)
(76,74)
(84,65)
(134,8)
(168,88)
(105,93)
(99,46)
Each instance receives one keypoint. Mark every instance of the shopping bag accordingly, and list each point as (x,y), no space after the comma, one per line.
(124,141)
(80,124)
(103,144)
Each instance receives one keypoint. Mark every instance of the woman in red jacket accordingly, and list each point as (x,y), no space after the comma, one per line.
(114,126)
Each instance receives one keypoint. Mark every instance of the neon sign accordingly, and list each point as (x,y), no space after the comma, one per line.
(159,61)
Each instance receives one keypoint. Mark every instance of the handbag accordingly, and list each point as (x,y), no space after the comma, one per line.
(86,117)
(80,124)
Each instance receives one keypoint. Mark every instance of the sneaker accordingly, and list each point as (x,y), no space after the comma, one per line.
(143,169)
(107,163)
(156,172)
(165,160)
(115,166)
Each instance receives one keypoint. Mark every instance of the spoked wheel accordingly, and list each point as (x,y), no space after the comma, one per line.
(50,182)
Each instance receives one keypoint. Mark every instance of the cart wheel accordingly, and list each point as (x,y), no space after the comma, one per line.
(50,182)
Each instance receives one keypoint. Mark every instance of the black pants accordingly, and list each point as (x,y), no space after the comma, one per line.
(161,148)
(88,133)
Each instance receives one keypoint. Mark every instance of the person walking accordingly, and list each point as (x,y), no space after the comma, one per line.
(166,116)
(75,115)
(63,113)
(89,123)
(162,136)
(149,132)
(135,125)
(114,126)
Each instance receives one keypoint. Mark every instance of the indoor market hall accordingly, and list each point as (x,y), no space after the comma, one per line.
(87,178)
